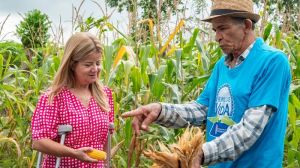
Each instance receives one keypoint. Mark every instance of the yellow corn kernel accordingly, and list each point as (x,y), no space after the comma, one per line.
(97,154)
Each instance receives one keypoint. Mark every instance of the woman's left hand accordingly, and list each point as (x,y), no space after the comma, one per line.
(81,154)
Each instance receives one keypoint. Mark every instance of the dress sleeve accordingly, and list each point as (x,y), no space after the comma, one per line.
(45,119)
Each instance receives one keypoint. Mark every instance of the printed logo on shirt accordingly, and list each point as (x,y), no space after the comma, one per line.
(224,111)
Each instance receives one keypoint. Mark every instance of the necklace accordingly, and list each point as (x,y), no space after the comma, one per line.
(83,96)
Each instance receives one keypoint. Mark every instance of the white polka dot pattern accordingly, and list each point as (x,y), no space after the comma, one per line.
(90,125)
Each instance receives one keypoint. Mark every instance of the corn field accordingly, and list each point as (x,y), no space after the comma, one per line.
(138,73)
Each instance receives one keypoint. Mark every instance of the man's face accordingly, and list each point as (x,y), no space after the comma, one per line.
(229,34)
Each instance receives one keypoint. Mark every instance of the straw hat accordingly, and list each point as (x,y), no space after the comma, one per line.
(234,8)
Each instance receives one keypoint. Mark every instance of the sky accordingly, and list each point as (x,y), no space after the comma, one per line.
(62,9)
(56,10)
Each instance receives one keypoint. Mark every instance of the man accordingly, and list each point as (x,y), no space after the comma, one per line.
(244,103)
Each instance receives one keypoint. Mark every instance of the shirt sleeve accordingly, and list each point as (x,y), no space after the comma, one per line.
(45,119)
(239,137)
(182,115)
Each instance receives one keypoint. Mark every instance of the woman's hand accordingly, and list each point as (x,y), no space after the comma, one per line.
(51,147)
(81,154)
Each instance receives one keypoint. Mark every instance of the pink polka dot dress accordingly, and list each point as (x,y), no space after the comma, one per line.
(90,125)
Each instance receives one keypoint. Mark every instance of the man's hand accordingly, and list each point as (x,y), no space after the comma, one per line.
(198,160)
(143,116)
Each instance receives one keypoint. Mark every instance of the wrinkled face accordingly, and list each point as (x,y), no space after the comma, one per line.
(229,34)
(87,71)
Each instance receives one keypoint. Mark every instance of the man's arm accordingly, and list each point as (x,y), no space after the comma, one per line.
(181,115)
(239,137)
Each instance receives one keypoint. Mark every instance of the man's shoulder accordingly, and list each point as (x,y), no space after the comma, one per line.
(221,61)
(271,53)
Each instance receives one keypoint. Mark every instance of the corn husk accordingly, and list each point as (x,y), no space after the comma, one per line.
(180,154)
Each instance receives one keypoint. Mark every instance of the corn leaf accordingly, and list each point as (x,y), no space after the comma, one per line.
(171,37)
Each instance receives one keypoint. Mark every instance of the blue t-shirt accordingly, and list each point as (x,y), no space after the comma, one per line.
(263,78)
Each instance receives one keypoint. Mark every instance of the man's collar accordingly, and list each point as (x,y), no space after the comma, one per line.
(241,58)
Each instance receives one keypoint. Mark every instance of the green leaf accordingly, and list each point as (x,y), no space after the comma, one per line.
(194,84)
(157,88)
(10,95)
(228,121)
(1,65)
(205,59)
(170,70)
(143,55)
(190,45)
(213,119)
(178,54)
(151,64)
(136,79)
(176,94)
(296,138)
(128,132)
(295,101)
(292,115)
(278,37)
(267,31)
(107,62)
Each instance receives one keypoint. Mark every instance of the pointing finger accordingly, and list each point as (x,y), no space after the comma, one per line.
(132,113)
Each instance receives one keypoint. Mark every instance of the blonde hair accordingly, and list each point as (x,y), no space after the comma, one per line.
(77,48)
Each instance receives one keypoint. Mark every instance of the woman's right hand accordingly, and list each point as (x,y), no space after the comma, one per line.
(81,154)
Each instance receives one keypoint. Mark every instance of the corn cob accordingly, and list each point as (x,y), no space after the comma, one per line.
(97,154)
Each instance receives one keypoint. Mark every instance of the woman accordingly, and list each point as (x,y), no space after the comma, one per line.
(77,98)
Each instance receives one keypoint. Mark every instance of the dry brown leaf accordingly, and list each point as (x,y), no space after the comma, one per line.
(180,154)
(116,148)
